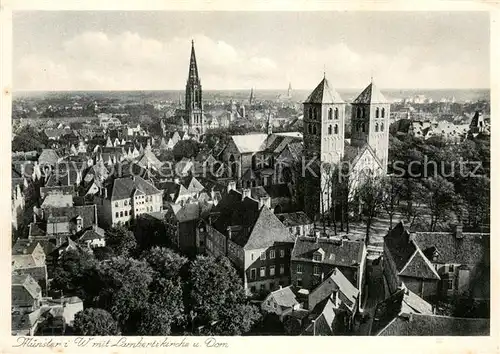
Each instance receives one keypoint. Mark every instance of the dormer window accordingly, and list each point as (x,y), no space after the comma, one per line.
(317,257)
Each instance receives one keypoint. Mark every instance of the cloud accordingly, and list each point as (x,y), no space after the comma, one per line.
(128,60)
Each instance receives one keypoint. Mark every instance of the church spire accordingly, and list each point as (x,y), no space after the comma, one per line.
(269,124)
(193,67)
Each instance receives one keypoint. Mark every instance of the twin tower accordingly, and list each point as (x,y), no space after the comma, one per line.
(324,132)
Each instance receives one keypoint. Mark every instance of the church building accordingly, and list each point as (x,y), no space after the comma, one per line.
(324,140)
(193,113)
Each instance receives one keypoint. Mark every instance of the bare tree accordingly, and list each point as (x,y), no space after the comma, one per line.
(370,195)
(392,188)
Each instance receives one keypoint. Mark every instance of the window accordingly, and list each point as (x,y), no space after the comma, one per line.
(251,256)
(116,204)
(450,284)
(299,281)
(317,258)
(282,269)
(383,112)
(451,268)
(357,127)
(117,214)
(125,203)
(363,127)
(271,254)
(126,213)
(263,255)
(253,273)
(382,127)
(363,112)
(314,129)
(309,129)
(282,253)
(262,287)
(316,270)
(329,130)
(377,113)
(336,113)
(330,113)
(271,270)
(252,289)
(336,129)
(262,271)
(376,127)
(358,112)
(315,113)
(300,268)
(310,113)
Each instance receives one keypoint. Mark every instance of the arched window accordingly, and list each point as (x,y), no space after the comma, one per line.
(315,113)
(329,130)
(363,127)
(336,129)
(309,128)
(358,112)
(376,126)
(336,113)
(314,129)
(357,127)
(330,113)
(383,112)
(310,113)
(364,113)
(382,126)
(377,113)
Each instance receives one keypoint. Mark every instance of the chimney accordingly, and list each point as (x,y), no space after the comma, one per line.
(246,192)
(229,232)
(459,229)
(317,235)
(265,201)
(177,180)
(105,192)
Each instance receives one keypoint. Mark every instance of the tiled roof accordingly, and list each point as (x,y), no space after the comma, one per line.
(335,282)
(294,219)
(371,94)
(471,249)
(27,282)
(324,93)
(123,188)
(278,191)
(87,212)
(57,200)
(93,233)
(149,159)
(285,297)
(193,185)
(249,143)
(414,303)
(324,315)
(48,157)
(267,231)
(337,252)
(432,325)
(258,192)
(23,261)
(419,266)
(190,211)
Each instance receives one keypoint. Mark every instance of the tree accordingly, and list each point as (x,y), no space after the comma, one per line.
(165,311)
(125,290)
(186,148)
(392,188)
(442,200)
(217,297)
(165,262)
(370,195)
(120,240)
(415,195)
(28,139)
(95,322)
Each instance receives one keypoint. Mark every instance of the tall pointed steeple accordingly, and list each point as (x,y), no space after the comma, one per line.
(251,96)
(193,66)
(194,102)
(269,124)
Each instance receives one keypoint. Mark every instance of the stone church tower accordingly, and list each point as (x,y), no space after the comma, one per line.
(323,131)
(370,122)
(194,102)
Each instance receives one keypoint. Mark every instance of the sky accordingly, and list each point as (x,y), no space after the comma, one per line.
(110,50)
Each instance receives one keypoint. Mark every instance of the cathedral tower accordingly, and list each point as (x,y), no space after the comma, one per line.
(370,122)
(194,102)
(323,130)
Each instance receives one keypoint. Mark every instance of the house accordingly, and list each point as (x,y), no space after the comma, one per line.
(25,324)
(314,257)
(48,157)
(252,237)
(298,223)
(438,264)
(281,301)
(26,294)
(125,198)
(93,237)
(30,260)
(56,315)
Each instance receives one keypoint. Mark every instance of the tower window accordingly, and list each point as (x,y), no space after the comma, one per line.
(383,112)
(315,114)
(329,130)
(363,127)
(336,129)
(377,113)
(336,113)
(382,126)
(376,125)
(363,113)
(310,113)
(330,113)
(309,128)
(357,126)
(314,129)
(358,112)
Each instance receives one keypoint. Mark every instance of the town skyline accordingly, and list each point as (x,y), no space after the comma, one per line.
(146,51)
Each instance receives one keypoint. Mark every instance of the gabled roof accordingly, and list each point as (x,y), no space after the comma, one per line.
(48,157)
(371,94)
(337,252)
(294,219)
(267,230)
(193,185)
(285,297)
(336,282)
(248,143)
(28,283)
(419,266)
(432,325)
(123,188)
(57,200)
(324,93)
